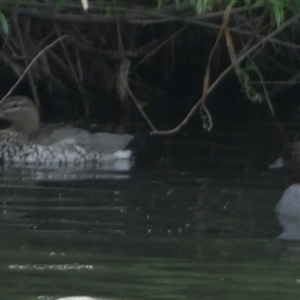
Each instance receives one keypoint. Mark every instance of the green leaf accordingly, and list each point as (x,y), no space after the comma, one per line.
(159,3)
(199,7)
(233,2)
(278,11)
(60,3)
(4,23)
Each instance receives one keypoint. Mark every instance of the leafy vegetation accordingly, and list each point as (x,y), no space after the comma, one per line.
(131,39)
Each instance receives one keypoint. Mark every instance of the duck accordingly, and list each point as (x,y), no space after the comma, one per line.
(287,209)
(25,140)
(288,213)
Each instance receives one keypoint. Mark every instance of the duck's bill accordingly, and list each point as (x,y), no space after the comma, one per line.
(277,164)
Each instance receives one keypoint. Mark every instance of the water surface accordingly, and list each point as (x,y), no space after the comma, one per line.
(196,226)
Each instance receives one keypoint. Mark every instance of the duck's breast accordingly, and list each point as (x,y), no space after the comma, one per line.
(288,212)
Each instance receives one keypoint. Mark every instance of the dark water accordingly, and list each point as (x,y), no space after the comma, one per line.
(195,226)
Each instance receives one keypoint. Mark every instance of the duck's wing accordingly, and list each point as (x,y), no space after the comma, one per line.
(99,141)
(110,142)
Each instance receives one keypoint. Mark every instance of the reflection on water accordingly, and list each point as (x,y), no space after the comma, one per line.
(69,298)
(197,233)
(42,173)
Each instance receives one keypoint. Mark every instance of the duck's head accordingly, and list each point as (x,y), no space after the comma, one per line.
(21,113)
(290,158)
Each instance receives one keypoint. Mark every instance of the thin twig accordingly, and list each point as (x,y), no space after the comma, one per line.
(246,33)
(269,100)
(31,63)
(207,118)
(140,108)
(153,128)
(24,53)
(160,46)
(263,86)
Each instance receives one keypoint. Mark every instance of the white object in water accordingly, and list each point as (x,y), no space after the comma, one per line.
(288,212)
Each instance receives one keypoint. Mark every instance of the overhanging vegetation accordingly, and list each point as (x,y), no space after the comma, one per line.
(162,60)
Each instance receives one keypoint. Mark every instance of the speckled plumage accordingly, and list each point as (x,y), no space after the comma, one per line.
(17,148)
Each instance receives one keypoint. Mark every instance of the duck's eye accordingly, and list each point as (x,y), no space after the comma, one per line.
(15,104)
